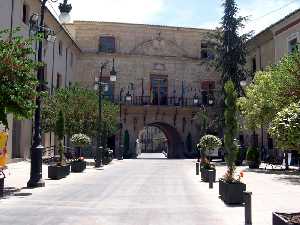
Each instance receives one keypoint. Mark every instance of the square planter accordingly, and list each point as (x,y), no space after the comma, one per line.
(1,187)
(78,166)
(232,193)
(58,172)
(286,218)
(205,176)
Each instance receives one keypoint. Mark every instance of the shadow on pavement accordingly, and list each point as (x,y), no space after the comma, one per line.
(13,191)
(291,176)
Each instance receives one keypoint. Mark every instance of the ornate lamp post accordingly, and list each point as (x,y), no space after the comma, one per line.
(37,148)
(98,82)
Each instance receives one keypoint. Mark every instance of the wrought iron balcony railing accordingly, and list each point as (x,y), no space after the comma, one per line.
(166,101)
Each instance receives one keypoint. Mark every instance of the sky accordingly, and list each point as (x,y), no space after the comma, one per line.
(186,13)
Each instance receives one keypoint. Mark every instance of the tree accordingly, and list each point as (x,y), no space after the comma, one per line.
(209,143)
(80,107)
(285,128)
(230,129)
(60,133)
(18,81)
(271,91)
(229,46)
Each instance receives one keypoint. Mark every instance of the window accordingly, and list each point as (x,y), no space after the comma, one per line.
(58,80)
(159,90)
(107,44)
(292,45)
(60,48)
(25,13)
(254,64)
(205,53)
(208,88)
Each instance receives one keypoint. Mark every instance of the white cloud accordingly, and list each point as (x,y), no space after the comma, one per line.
(135,11)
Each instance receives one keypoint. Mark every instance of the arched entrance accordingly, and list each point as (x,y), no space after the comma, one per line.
(160,137)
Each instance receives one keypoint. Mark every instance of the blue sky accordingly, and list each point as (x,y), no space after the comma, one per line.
(188,13)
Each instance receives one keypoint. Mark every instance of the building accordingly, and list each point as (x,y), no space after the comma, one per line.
(60,58)
(163,76)
(267,48)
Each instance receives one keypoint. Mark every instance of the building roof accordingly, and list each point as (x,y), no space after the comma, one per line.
(63,28)
(278,22)
(141,24)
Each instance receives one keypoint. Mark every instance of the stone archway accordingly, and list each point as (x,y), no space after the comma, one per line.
(175,143)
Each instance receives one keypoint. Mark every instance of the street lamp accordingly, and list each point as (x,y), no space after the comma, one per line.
(128,97)
(120,155)
(196,100)
(98,81)
(37,148)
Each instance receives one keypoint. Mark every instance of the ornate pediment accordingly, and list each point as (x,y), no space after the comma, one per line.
(159,47)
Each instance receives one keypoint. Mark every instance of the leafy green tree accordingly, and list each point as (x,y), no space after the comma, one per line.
(60,133)
(285,128)
(271,91)
(209,143)
(230,129)
(80,107)
(18,81)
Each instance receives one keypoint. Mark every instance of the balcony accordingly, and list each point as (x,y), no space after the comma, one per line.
(166,101)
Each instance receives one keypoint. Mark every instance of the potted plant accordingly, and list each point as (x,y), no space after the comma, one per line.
(231,188)
(107,156)
(286,218)
(79,141)
(61,169)
(208,143)
(253,158)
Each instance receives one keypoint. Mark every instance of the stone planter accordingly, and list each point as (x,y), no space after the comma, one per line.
(2,187)
(78,166)
(58,172)
(286,218)
(253,165)
(205,174)
(232,193)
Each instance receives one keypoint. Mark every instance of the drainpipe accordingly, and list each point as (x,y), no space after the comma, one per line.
(66,71)
(11,18)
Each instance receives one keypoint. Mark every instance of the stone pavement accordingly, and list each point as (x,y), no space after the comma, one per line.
(143,192)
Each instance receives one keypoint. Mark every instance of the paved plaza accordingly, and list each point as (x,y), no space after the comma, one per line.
(149,190)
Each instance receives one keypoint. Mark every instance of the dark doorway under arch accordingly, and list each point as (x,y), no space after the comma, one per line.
(175,147)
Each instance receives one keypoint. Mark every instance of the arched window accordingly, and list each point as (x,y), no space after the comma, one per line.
(25,12)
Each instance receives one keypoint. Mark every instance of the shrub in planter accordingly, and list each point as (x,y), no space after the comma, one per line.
(61,169)
(239,157)
(253,158)
(79,140)
(231,188)
(107,156)
(78,165)
(205,167)
(208,143)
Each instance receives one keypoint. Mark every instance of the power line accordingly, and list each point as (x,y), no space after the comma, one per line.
(275,10)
